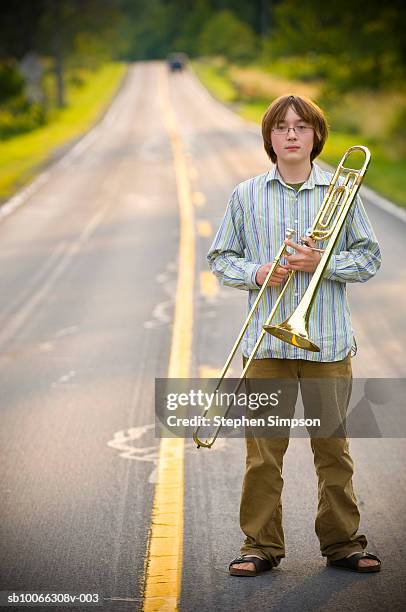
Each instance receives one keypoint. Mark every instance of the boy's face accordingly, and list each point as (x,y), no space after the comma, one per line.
(295,146)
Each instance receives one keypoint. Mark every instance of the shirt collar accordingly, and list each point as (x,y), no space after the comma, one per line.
(317,177)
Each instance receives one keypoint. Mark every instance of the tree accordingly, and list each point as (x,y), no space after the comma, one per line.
(51,27)
(364,40)
(224,34)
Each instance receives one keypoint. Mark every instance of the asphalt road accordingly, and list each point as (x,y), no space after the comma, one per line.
(87,285)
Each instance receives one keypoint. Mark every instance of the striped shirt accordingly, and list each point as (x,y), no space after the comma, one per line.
(258,214)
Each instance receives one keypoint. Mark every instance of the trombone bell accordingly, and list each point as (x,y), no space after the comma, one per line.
(293,331)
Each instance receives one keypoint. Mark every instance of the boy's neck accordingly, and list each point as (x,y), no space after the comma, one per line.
(295,173)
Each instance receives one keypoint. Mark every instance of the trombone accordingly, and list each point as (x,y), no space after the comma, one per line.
(327,225)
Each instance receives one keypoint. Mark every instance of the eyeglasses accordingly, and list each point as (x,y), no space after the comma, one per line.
(299,129)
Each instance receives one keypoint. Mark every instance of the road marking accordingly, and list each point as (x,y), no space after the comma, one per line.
(33,282)
(193,173)
(204,228)
(64,378)
(67,331)
(123,441)
(206,371)
(160,315)
(163,567)
(46,347)
(199,199)
(209,286)
(23,195)
(21,316)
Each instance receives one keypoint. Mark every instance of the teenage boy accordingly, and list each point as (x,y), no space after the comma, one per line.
(254,226)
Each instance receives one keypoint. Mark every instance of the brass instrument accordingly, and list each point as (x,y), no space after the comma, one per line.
(327,225)
(282,250)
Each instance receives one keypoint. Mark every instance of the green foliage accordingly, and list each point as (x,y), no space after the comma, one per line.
(395,145)
(193,22)
(350,118)
(364,40)
(22,155)
(11,82)
(215,74)
(153,29)
(149,29)
(19,117)
(224,34)
(17,113)
(89,50)
(157,28)
(310,67)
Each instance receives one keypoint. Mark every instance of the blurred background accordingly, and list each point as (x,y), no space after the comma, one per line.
(61,61)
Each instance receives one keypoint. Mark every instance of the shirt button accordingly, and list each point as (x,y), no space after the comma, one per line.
(296,294)
(296,221)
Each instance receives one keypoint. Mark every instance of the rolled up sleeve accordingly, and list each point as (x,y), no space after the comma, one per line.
(226,256)
(361,258)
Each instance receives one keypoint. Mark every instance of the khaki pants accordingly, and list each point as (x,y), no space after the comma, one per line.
(338,517)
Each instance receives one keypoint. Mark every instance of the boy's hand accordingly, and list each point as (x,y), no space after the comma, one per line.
(278,277)
(304,259)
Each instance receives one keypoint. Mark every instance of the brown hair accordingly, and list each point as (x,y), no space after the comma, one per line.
(306,109)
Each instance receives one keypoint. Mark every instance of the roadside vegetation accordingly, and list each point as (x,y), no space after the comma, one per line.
(60,66)
(61,61)
(355,117)
(22,155)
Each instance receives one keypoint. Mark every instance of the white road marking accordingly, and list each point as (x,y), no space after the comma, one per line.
(23,195)
(64,378)
(34,281)
(123,440)
(19,319)
(161,315)
(46,347)
(67,331)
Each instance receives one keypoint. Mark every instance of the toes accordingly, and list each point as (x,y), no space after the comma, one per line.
(366,562)
(244,566)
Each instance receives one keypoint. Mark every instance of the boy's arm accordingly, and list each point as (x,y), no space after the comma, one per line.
(362,258)
(226,256)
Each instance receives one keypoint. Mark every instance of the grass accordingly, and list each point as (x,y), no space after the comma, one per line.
(386,176)
(22,156)
(358,119)
(220,84)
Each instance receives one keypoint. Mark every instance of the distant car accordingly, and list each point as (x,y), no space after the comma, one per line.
(176,61)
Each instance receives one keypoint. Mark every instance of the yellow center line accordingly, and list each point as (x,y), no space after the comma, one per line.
(163,567)
(199,199)
(193,173)
(204,228)
(206,371)
(209,285)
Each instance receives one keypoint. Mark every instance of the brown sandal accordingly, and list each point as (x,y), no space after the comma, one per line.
(261,565)
(351,563)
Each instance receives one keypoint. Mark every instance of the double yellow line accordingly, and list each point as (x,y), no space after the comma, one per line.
(163,568)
